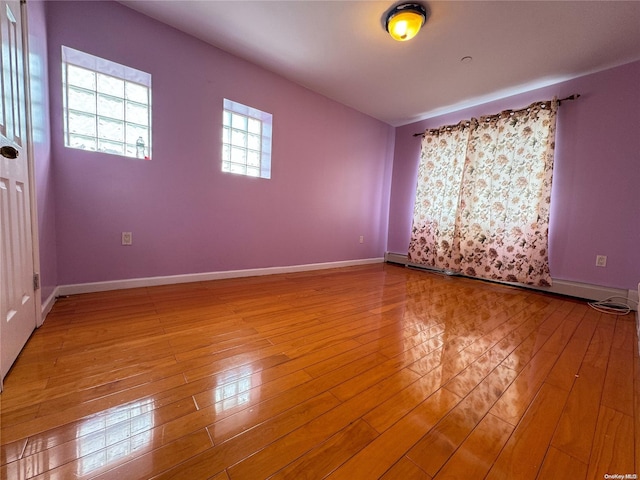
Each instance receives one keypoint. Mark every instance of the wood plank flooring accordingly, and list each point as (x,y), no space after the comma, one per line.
(364,372)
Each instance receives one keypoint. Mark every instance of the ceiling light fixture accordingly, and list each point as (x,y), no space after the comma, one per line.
(404,21)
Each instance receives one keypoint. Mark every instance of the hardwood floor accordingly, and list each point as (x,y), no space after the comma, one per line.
(356,373)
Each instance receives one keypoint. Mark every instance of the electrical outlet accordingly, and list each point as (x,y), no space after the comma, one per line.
(361,238)
(601,260)
(127,238)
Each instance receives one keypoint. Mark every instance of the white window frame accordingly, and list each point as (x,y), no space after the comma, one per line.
(237,149)
(133,137)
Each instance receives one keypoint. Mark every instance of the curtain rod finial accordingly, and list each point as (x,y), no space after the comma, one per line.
(570,97)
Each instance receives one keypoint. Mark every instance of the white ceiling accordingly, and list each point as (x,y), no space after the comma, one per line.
(340,49)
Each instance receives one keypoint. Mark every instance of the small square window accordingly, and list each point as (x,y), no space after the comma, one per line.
(246,140)
(107,106)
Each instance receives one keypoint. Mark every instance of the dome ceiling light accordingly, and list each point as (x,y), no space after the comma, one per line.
(404,21)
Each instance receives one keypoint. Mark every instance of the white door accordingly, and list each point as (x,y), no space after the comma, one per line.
(17,297)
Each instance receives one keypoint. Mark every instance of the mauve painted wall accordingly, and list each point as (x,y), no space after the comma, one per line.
(45,192)
(330,170)
(596,184)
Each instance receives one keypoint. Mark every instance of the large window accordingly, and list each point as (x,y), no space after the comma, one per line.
(246,140)
(107,106)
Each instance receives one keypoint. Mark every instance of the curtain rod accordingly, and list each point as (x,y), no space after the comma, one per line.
(570,97)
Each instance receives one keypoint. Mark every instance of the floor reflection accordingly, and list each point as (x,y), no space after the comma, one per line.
(114,434)
(234,389)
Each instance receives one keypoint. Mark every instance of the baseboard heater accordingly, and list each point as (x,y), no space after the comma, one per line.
(560,287)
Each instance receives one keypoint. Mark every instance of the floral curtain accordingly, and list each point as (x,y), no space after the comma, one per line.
(438,195)
(482,202)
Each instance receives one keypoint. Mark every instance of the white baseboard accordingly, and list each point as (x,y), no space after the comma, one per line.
(638,328)
(202,277)
(634,296)
(47,304)
(561,287)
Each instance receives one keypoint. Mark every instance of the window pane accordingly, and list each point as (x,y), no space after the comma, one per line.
(81,77)
(110,85)
(82,100)
(85,143)
(226,155)
(133,132)
(81,123)
(130,150)
(254,126)
(137,93)
(137,114)
(226,167)
(254,142)
(111,129)
(238,138)
(226,118)
(111,107)
(238,155)
(226,135)
(111,147)
(253,172)
(235,168)
(253,158)
(239,121)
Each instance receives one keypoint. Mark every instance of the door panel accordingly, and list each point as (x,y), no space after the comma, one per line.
(17,302)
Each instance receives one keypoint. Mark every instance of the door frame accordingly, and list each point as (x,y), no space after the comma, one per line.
(31,166)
